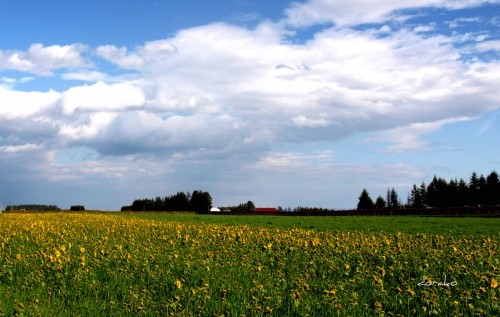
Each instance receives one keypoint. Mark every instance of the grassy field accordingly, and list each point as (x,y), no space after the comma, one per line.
(192,265)
(474,226)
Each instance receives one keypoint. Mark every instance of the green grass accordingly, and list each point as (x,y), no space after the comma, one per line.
(472,226)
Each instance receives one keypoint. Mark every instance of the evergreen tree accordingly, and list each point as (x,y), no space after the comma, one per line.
(473,196)
(201,201)
(415,200)
(451,197)
(179,202)
(493,189)
(423,195)
(365,201)
(482,190)
(388,198)
(394,201)
(437,192)
(462,193)
(380,203)
(250,206)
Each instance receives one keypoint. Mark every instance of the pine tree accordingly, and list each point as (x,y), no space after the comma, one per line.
(394,199)
(493,189)
(380,203)
(365,201)
(473,196)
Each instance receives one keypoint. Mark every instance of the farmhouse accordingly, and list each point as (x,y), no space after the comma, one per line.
(265,211)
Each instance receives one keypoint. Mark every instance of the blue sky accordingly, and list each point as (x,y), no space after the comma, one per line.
(284,103)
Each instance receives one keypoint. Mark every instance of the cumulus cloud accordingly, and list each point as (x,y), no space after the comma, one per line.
(152,51)
(256,88)
(16,104)
(251,85)
(102,97)
(43,60)
(120,56)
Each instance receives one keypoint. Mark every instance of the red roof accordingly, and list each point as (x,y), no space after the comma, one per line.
(265,210)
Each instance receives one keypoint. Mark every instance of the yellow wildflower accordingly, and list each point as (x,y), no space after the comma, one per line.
(178,284)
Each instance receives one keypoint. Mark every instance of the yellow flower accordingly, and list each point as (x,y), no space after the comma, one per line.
(82,249)
(494,283)
(315,242)
(178,284)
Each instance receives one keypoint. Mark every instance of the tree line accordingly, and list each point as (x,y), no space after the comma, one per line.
(196,201)
(33,207)
(248,207)
(479,191)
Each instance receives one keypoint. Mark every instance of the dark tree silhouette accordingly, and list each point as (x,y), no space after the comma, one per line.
(365,201)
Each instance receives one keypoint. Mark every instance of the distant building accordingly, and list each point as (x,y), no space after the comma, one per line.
(215,209)
(266,211)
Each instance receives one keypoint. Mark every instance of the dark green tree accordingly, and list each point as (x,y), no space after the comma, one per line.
(482,190)
(201,201)
(473,196)
(393,201)
(462,194)
(416,199)
(493,189)
(179,202)
(365,201)
(250,206)
(437,192)
(380,202)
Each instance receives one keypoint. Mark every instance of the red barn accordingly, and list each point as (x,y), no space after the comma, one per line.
(265,211)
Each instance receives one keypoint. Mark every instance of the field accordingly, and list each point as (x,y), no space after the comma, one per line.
(89,264)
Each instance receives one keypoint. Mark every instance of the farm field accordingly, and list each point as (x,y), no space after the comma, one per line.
(89,264)
(475,226)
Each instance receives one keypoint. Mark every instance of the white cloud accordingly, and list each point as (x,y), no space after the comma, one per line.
(152,51)
(488,46)
(256,88)
(43,60)
(303,14)
(19,148)
(85,75)
(17,104)
(461,21)
(120,56)
(10,82)
(81,131)
(305,122)
(423,28)
(290,160)
(102,97)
